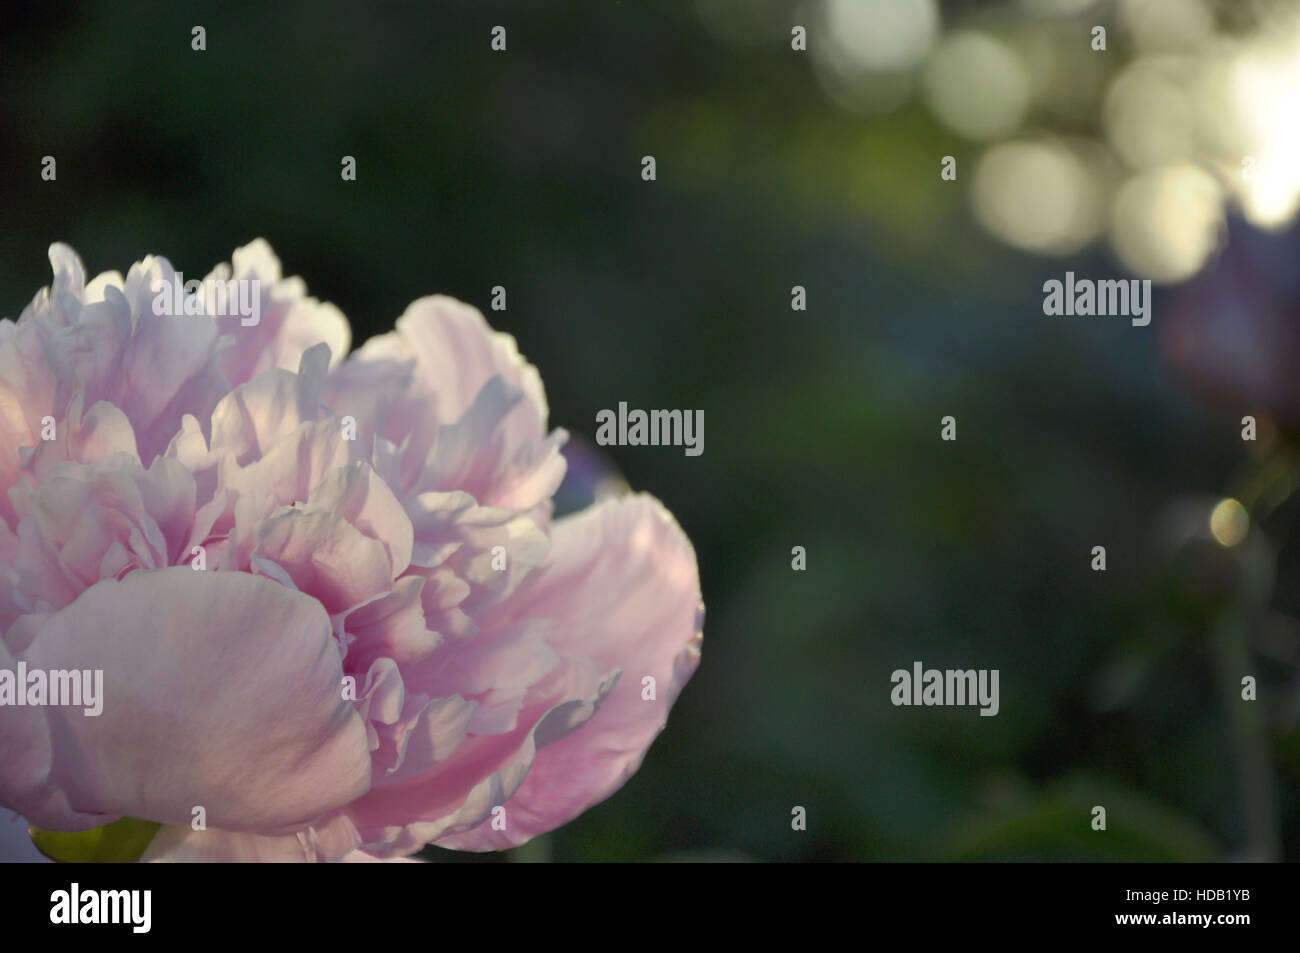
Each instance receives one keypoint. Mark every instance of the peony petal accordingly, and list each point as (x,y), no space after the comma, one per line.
(390,626)
(409,809)
(154,368)
(333,840)
(623,589)
(26,755)
(84,438)
(451,532)
(458,353)
(358,495)
(254,416)
(361,857)
(325,555)
(289,322)
(294,466)
(220,690)
(174,844)
(444,375)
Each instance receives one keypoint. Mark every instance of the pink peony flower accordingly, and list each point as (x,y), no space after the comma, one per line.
(327,597)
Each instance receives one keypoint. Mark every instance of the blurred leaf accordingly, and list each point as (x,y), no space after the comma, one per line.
(1057,825)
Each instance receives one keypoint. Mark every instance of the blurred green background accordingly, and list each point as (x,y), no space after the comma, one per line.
(523,169)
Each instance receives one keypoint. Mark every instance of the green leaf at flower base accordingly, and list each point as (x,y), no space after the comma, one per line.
(122,842)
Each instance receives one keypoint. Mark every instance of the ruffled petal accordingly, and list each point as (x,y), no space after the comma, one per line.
(622,588)
(288,322)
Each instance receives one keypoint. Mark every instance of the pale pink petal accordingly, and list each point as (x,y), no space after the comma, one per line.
(358,495)
(325,555)
(295,465)
(154,368)
(458,793)
(361,857)
(622,588)
(220,690)
(83,438)
(332,840)
(491,550)
(288,323)
(458,353)
(254,416)
(389,626)
(26,760)
(445,376)
(174,844)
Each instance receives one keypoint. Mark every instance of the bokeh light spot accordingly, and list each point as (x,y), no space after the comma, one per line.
(1229,522)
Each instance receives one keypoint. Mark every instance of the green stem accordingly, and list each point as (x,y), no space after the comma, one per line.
(1250,733)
